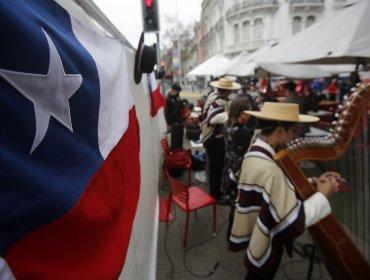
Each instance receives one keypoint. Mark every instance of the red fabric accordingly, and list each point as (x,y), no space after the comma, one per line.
(91,240)
(157,101)
(332,88)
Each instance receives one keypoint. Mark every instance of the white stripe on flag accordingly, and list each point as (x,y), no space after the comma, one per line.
(115,93)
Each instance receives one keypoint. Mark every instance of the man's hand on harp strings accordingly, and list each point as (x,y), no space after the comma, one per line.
(328,183)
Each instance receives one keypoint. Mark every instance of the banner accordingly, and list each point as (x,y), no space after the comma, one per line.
(69,146)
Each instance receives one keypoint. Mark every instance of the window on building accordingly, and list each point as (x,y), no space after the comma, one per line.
(236,34)
(258,29)
(297,25)
(246,31)
(310,20)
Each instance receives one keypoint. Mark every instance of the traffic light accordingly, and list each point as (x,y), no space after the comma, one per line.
(150,15)
(161,71)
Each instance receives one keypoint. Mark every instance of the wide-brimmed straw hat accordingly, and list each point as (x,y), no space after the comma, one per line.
(286,112)
(225,83)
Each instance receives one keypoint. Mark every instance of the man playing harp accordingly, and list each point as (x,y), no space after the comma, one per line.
(268,215)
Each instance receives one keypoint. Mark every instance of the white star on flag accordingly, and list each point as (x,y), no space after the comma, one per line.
(49,93)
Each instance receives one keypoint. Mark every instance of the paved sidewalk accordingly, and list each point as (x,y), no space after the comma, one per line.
(205,250)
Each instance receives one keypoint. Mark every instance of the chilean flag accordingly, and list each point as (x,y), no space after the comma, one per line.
(69,146)
(156,99)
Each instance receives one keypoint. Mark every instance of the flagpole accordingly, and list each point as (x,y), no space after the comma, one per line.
(159,63)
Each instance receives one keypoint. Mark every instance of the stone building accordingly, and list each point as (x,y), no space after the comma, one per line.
(232,26)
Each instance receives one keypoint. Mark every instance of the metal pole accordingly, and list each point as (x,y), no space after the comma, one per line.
(180,64)
(159,64)
(158,50)
(179,71)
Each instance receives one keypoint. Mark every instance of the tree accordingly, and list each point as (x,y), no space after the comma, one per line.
(177,45)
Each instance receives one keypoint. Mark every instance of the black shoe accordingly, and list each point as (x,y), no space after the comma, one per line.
(223,200)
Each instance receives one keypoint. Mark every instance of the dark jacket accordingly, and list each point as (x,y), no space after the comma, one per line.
(173,109)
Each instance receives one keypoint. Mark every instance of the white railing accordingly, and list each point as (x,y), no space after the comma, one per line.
(247,4)
(245,46)
(307,1)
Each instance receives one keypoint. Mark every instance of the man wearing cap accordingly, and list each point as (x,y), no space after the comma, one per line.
(268,215)
(173,116)
(213,119)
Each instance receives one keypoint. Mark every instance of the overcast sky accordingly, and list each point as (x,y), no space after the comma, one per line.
(126,15)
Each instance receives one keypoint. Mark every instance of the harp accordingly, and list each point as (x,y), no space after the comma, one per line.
(340,254)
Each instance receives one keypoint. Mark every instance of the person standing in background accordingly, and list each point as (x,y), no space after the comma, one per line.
(213,119)
(173,114)
(305,104)
(333,90)
(238,134)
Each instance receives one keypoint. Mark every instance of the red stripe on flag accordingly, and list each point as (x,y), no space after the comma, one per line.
(91,240)
(157,101)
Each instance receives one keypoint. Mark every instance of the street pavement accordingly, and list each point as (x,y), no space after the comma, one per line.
(206,249)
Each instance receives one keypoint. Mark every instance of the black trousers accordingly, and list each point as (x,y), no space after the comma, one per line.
(177,135)
(216,154)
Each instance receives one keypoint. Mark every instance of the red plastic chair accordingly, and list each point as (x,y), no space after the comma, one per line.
(168,164)
(189,198)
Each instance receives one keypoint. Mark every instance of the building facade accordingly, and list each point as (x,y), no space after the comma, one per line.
(232,26)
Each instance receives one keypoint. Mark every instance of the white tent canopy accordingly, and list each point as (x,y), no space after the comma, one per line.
(214,66)
(303,71)
(293,71)
(342,38)
(245,64)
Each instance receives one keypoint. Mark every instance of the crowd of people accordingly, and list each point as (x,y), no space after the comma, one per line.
(240,137)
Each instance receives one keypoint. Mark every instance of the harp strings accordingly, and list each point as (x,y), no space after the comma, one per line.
(352,206)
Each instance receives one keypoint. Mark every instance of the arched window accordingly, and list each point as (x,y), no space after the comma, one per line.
(297,25)
(258,29)
(310,20)
(236,34)
(246,31)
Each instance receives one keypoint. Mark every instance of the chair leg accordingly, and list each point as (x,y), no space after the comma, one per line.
(186,228)
(164,177)
(189,176)
(214,217)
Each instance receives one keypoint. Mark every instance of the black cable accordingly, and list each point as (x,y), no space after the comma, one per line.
(303,276)
(304,251)
(168,225)
(215,266)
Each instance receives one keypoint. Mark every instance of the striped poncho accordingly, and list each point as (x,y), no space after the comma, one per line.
(213,106)
(268,214)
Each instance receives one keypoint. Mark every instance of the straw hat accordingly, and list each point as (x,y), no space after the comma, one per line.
(286,112)
(225,83)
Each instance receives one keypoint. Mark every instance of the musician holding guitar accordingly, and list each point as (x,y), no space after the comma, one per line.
(269,215)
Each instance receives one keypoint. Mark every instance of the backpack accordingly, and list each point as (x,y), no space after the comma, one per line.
(178,157)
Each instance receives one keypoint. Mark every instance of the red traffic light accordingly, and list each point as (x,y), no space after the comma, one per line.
(149,3)
(150,15)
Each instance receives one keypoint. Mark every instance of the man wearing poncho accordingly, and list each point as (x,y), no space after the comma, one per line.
(268,215)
